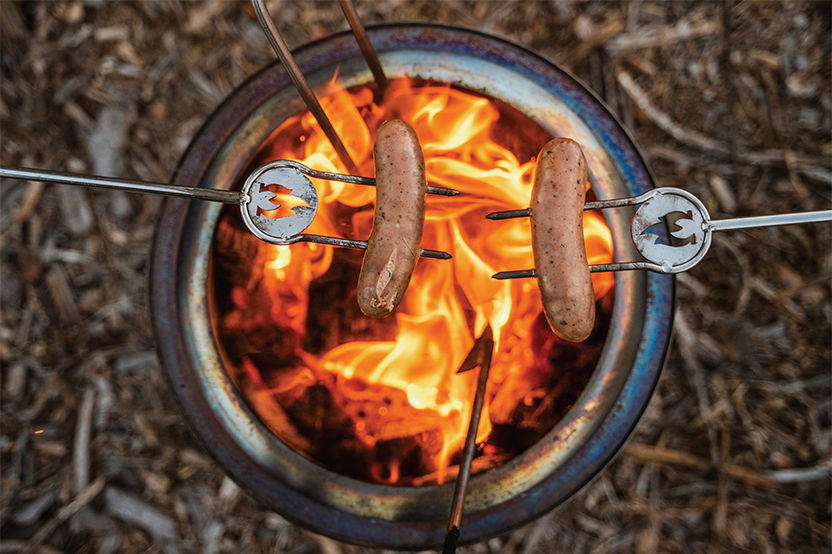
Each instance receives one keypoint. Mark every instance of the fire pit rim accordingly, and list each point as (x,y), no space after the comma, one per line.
(168,239)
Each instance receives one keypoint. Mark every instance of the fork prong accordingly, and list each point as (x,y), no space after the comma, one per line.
(352,179)
(509,214)
(596,268)
(442,191)
(596,205)
(359,244)
(516,274)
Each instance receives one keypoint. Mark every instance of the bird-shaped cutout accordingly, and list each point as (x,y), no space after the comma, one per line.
(280,203)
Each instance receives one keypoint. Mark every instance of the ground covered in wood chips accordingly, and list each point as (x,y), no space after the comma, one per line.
(730,101)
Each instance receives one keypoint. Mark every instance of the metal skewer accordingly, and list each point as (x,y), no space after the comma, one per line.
(695,227)
(527,212)
(253,200)
(355,179)
(480,355)
(129,185)
(365,45)
(302,86)
(213,195)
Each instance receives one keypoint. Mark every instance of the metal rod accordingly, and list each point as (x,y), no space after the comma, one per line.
(657,204)
(302,86)
(626,266)
(214,195)
(768,220)
(599,268)
(355,179)
(365,45)
(509,214)
(485,347)
(360,244)
(713,225)
(597,205)
(147,187)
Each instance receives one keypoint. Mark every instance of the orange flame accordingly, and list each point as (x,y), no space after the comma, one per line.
(448,303)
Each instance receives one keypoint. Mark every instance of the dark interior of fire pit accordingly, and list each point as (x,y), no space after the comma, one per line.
(266,360)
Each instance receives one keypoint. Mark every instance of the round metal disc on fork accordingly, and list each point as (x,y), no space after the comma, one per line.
(270,188)
(689,228)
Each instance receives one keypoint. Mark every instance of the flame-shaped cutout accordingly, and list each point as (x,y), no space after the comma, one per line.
(285,202)
(682,227)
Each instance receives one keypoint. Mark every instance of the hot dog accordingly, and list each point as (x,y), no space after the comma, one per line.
(558,239)
(393,247)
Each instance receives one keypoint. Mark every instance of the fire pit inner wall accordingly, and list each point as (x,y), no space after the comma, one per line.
(356,511)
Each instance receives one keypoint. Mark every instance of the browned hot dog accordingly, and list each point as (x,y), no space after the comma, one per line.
(393,247)
(558,239)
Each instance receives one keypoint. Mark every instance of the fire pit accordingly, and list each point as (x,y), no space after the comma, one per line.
(377,399)
(233,396)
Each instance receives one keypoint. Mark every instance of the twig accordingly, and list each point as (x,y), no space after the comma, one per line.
(136,512)
(686,342)
(661,36)
(721,512)
(738,255)
(29,203)
(21,546)
(664,121)
(536,535)
(62,294)
(725,66)
(80,449)
(82,499)
(793,387)
(768,292)
(30,512)
(648,540)
(327,545)
(771,157)
(656,454)
(799,475)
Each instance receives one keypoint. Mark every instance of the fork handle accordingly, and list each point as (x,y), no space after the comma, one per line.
(147,187)
(768,220)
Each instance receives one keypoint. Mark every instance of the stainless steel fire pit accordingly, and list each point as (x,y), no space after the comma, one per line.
(566,458)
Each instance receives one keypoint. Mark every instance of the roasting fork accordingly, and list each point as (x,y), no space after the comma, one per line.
(255,199)
(693,228)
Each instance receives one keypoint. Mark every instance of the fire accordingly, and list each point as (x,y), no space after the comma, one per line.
(405,383)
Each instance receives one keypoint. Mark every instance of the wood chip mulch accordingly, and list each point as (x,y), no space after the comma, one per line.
(731,101)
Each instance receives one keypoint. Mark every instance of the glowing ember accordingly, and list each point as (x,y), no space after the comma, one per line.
(332,383)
